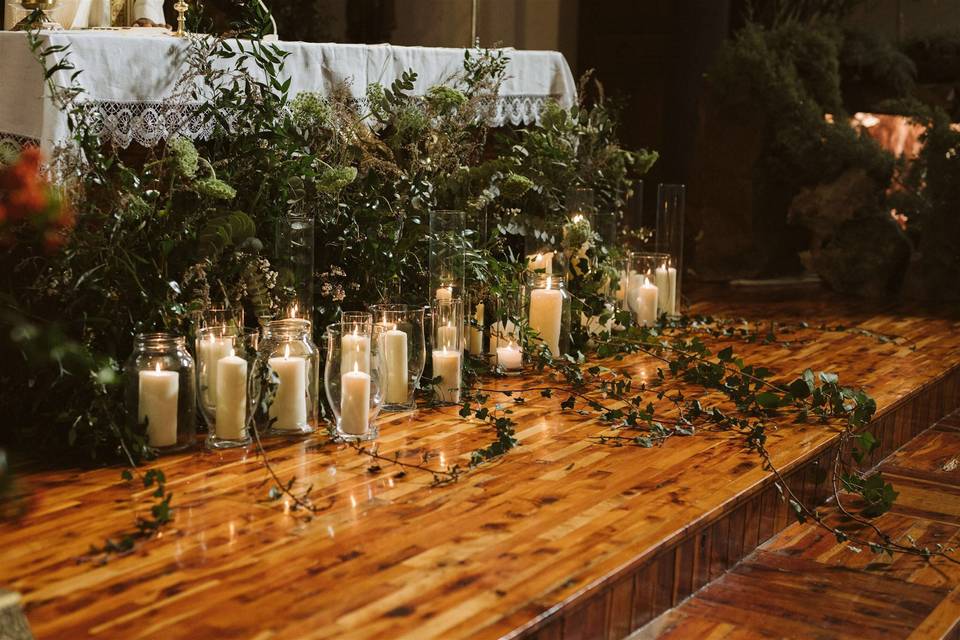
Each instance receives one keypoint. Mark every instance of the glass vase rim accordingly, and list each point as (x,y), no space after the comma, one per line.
(538,279)
(159,340)
(288,325)
(227,331)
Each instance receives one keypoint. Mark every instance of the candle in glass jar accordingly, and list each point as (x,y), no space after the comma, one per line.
(546,314)
(476,332)
(289,408)
(500,334)
(645,303)
(355,401)
(446,365)
(231,416)
(444,293)
(666,281)
(211,351)
(510,357)
(395,356)
(356,351)
(158,402)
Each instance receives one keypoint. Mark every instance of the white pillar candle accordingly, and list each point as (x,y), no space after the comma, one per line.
(446,365)
(510,357)
(355,401)
(546,315)
(666,291)
(447,337)
(395,357)
(289,408)
(634,282)
(645,303)
(231,423)
(211,351)
(476,333)
(444,293)
(541,261)
(355,350)
(158,402)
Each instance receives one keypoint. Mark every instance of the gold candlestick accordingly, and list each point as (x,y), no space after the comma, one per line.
(181,8)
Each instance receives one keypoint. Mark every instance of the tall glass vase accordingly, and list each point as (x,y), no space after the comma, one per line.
(294,262)
(448,254)
(671,203)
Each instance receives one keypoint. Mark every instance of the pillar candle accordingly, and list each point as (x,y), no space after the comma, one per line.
(231,421)
(158,402)
(645,303)
(446,365)
(211,351)
(541,261)
(546,315)
(510,357)
(666,281)
(476,333)
(355,350)
(355,401)
(289,408)
(444,293)
(634,281)
(395,356)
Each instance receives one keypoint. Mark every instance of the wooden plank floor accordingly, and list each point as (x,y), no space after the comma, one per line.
(802,584)
(561,538)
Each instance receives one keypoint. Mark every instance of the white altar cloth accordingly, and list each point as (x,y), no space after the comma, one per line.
(126,76)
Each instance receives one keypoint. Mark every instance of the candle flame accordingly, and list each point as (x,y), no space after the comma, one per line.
(549,281)
(664,267)
(578,218)
(232,353)
(356,366)
(286,351)
(158,367)
(294,308)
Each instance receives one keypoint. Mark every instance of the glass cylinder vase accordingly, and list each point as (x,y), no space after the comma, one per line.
(403,353)
(547,302)
(671,205)
(448,254)
(288,351)
(447,350)
(161,392)
(354,384)
(228,384)
(294,260)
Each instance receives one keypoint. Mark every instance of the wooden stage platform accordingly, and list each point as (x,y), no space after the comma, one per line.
(562,538)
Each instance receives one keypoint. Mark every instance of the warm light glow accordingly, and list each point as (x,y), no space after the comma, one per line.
(158,367)
(578,218)
(286,351)
(356,366)
(232,352)
(294,309)
(549,281)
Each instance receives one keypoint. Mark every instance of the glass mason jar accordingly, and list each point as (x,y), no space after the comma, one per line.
(547,303)
(228,384)
(353,379)
(160,391)
(357,317)
(218,317)
(287,349)
(403,353)
(447,354)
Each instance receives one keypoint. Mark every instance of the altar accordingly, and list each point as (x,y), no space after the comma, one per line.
(130,77)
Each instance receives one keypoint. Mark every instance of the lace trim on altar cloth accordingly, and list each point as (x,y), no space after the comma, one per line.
(146,123)
(13,144)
